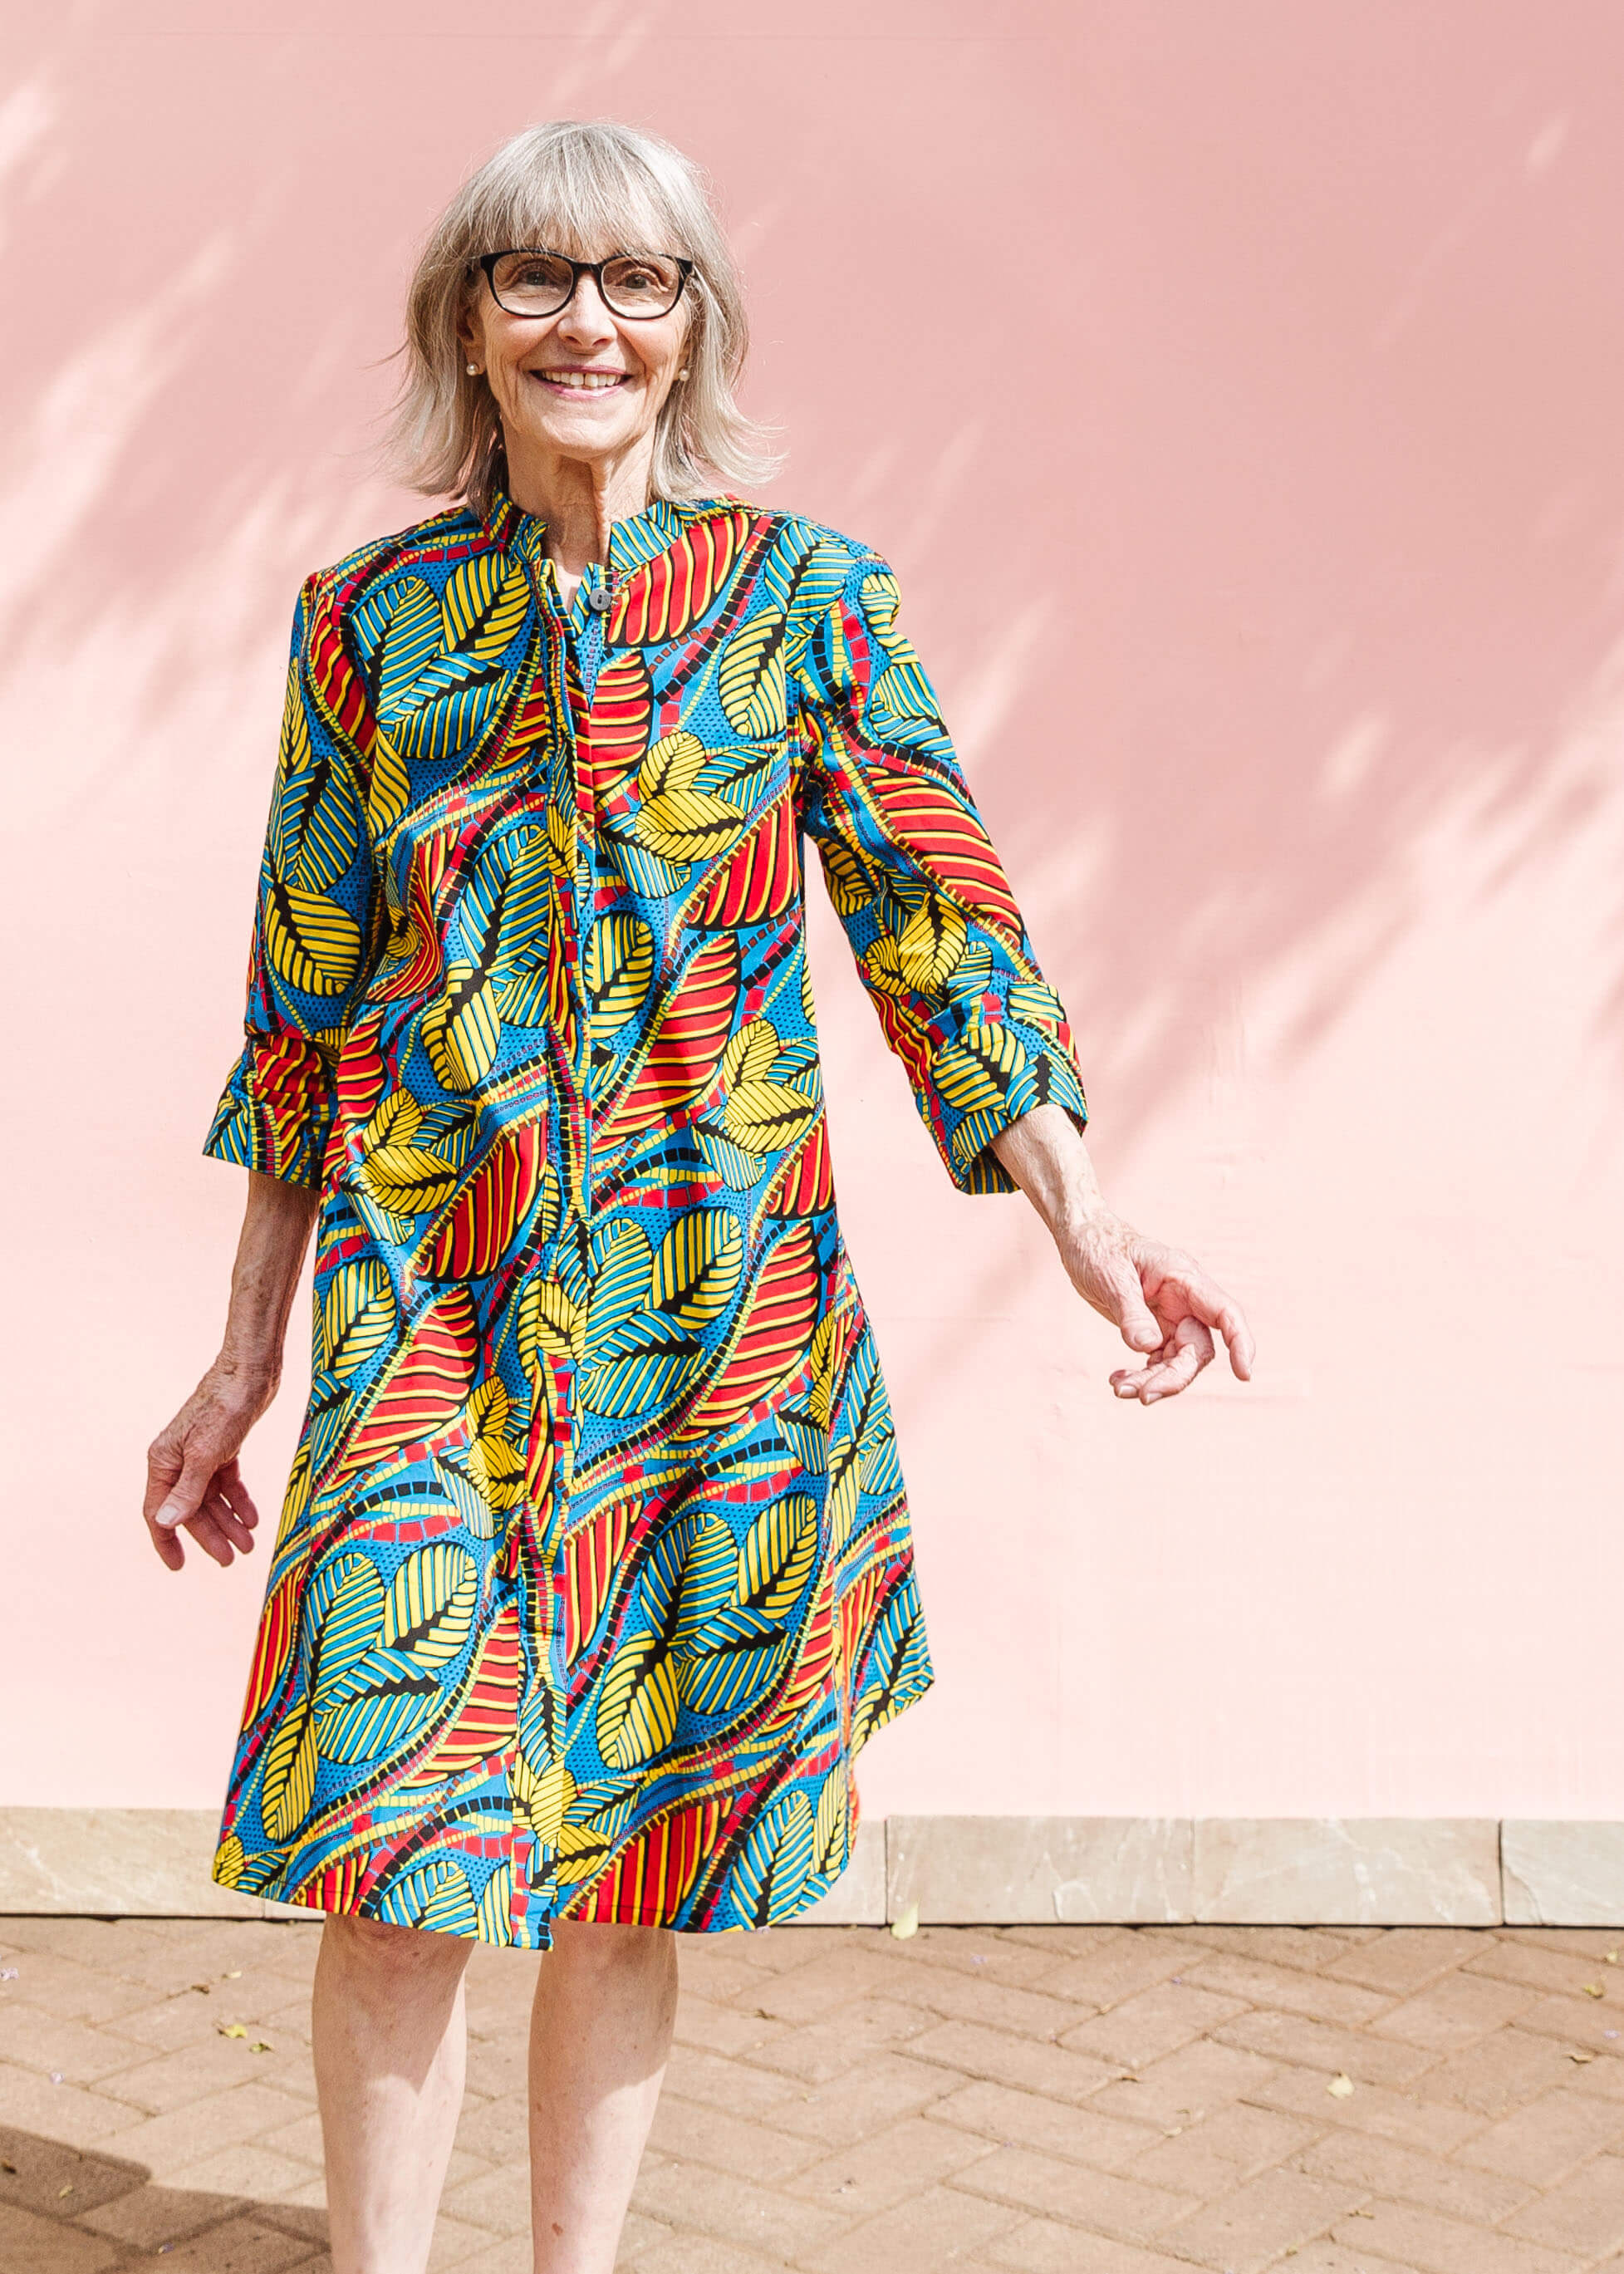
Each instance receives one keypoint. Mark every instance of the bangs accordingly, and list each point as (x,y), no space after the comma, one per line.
(571,202)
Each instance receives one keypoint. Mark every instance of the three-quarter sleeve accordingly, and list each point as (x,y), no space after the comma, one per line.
(307,964)
(920,892)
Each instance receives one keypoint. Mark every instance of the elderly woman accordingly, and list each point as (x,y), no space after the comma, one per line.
(594,1571)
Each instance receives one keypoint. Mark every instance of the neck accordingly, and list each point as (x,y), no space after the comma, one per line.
(579,499)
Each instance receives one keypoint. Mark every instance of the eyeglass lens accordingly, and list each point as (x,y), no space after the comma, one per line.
(539,283)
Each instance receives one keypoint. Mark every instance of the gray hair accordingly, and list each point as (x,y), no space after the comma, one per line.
(577,186)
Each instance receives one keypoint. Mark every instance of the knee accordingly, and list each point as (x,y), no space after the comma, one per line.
(592,1947)
(371,1947)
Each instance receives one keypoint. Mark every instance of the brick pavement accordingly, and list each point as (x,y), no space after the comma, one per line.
(1035,2100)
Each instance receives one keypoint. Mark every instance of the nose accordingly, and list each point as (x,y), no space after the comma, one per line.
(584,317)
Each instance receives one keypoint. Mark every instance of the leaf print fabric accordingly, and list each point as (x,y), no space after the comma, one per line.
(594,1571)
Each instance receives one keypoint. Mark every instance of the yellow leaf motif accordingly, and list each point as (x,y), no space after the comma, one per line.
(290,1782)
(763,1117)
(932,941)
(697,1267)
(687,825)
(357,1315)
(672,763)
(637,1702)
(408,1180)
(430,1612)
(751,1053)
(616,967)
(311,941)
(551,1319)
(778,1555)
(751,682)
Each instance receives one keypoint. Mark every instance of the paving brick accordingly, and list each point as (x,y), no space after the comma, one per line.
(167,2145)
(688,2130)
(1577,2022)
(43,2246)
(1435,2129)
(1152,2025)
(1211,2154)
(696,2074)
(1498,2073)
(716,2202)
(1186,2087)
(83,2054)
(33,2103)
(146,2219)
(872,2175)
(1382,2167)
(1584,2214)
(1305,1948)
(1252,2226)
(1454,2011)
(1040,2247)
(1121,1968)
(686,2254)
(246,2244)
(720,2029)
(1287,1990)
(930,2230)
(1104,2201)
(1311,2045)
(1404,1959)
(1445,2246)
(830,2047)
(1331,2258)
(1544,2141)
(1026,2120)
(956,1996)
(987,1954)
(850,2106)
(247,2169)
(497,2200)
(1050,2069)
(1558,1973)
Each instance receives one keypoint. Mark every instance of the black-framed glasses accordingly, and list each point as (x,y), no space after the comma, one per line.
(532,282)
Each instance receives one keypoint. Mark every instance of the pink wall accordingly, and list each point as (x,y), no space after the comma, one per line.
(1256,488)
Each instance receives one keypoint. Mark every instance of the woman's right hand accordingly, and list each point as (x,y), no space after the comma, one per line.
(193,1480)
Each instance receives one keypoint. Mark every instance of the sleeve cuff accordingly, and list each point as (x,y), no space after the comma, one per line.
(276,1110)
(985,1079)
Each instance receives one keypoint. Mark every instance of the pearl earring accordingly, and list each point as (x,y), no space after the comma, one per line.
(473,371)
(684,372)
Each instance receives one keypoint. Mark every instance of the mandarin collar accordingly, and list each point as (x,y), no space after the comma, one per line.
(636,539)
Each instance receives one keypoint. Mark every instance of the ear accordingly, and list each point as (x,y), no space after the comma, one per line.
(469,330)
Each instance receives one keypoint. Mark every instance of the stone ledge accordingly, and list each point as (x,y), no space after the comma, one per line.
(1563,1874)
(979,1870)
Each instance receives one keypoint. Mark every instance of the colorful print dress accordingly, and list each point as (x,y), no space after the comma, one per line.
(594,1572)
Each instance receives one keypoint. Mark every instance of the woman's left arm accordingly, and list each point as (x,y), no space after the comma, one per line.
(1163,1303)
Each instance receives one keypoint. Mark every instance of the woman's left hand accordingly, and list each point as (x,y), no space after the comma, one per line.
(1162,1303)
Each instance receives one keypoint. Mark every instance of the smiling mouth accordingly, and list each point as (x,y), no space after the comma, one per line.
(582,383)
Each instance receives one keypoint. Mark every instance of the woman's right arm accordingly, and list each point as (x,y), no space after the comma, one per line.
(191,1472)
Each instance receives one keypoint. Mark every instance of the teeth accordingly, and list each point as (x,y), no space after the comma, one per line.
(594,381)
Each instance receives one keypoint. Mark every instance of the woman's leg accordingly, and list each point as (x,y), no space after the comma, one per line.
(600,2030)
(390,2048)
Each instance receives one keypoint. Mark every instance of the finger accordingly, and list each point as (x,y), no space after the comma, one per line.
(1137,1322)
(1198,1295)
(187,1495)
(167,1545)
(164,1464)
(230,1482)
(230,1523)
(209,1538)
(1189,1349)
